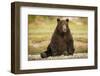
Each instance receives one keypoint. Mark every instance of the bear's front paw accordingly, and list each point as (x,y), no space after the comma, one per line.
(66,53)
(43,55)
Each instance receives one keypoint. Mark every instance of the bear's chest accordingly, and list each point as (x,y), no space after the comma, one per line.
(62,44)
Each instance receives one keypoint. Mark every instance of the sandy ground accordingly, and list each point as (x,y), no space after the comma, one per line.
(75,56)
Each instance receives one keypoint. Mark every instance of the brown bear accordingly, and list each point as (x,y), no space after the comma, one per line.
(61,41)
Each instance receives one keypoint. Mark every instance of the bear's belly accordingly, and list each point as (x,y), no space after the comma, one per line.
(62,46)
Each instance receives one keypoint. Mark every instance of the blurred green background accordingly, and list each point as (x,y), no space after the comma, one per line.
(41,28)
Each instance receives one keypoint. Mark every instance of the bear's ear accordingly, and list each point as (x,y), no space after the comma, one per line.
(58,19)
(67,20)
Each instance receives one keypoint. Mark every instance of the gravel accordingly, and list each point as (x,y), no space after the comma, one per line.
(75,56)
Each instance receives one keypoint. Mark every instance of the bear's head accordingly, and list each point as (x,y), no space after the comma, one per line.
(62,25)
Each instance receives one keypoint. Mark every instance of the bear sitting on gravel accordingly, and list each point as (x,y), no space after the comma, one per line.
(61,41)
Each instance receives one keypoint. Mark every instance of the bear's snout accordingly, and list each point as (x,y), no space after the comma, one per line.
(64,28)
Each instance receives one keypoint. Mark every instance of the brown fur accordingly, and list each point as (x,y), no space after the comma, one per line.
(61,41)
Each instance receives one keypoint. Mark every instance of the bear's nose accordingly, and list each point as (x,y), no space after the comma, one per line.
(64,28)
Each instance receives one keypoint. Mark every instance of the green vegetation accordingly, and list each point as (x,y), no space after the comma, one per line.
(41,28)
